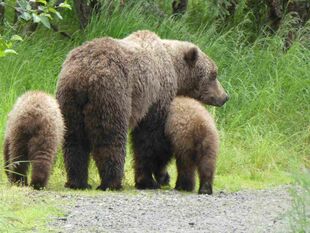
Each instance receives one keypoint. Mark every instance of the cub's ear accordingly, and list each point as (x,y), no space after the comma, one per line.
(191,56)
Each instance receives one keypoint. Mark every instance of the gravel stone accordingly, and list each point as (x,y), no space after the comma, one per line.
(172,211)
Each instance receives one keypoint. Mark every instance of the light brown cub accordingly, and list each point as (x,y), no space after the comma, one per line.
(195,142)
(34,131)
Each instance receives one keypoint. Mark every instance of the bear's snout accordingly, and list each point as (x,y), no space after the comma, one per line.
(219,102)
(224,100)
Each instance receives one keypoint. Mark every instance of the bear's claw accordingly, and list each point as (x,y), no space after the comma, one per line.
(77,186)
(147,184)
(104,187)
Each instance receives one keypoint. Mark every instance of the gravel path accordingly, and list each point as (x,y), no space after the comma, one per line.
(172,211)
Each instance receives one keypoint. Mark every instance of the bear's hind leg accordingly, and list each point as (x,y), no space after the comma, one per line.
(76,145)
(76,157)
(186,174)
(110,161)
(106,123)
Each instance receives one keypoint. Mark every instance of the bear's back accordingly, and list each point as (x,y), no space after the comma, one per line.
(141,52)
(126,50)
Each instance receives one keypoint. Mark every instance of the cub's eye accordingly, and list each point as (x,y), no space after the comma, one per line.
(213,75)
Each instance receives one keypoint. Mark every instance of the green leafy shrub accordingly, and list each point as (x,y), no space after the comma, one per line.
(6,46)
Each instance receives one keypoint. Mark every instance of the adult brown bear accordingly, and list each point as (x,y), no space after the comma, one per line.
(109,85)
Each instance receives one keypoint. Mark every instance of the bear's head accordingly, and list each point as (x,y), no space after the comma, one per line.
(203,73)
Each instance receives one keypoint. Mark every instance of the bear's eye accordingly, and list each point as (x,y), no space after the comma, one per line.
(201,74)
(213,75)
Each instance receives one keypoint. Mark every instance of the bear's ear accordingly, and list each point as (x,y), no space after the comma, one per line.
(191,56)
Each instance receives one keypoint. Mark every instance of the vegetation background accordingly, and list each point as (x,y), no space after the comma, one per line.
(264,128)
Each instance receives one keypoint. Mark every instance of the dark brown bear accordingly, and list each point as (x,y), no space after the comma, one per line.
(34,131)
(195,142)
(109,85)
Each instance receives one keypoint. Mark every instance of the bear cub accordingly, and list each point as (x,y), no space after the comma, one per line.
(34,131)
(195,143)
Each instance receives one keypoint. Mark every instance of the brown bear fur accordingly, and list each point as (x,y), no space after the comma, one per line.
(109,85)
(34,131)
(195,142)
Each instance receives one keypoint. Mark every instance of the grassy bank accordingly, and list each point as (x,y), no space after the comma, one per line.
(264,127)
(22,210)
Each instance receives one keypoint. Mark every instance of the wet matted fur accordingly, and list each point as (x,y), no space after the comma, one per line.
(34,131)
(109,85)
(195,142)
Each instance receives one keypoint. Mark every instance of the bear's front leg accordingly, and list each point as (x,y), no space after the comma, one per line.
(160,170)
(143,160)
(151,150)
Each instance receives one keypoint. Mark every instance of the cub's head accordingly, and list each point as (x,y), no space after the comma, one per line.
(203,74)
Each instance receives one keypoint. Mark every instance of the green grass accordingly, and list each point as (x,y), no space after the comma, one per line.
(22,210)
(264,127)
(300,212)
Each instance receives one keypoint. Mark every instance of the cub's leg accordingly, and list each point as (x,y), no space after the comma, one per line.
(42,151)
(186,173)
(18,162)
(206,169)
(41,168)
(6,154)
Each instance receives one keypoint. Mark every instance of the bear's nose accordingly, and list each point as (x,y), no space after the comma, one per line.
(226,98)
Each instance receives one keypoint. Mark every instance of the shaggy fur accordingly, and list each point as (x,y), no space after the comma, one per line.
(108,85)
(195,142)
(34,131)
